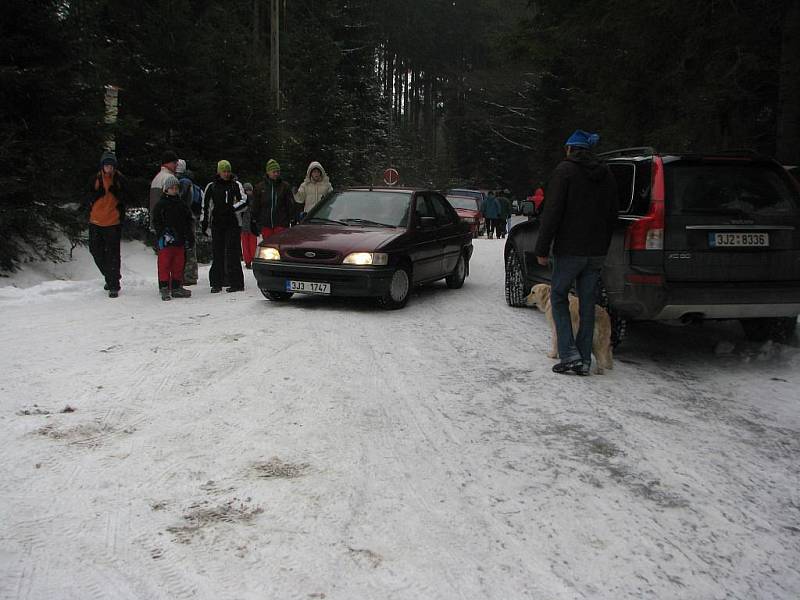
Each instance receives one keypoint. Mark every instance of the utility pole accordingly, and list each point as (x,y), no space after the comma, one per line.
(274,55)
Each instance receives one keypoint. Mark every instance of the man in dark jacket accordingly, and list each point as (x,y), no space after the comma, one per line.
(578,220)
(223,200)
(273,207)
(106,196)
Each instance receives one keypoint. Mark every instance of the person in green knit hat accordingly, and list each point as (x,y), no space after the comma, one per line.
(274,207)
(223,202)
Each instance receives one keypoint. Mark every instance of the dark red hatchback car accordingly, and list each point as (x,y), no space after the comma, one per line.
(367,242)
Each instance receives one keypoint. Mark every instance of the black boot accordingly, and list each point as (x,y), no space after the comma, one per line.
(178,291)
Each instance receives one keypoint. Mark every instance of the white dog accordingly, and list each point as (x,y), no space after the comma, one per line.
(601,341)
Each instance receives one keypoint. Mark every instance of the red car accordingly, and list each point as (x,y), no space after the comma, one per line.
(367,242)
(469,211)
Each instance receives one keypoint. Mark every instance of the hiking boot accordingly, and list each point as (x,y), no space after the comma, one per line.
(216,290)
(565,367)
(165,295)
(113,293)
(248,265)
(181,292)
(234,288)
(190,282)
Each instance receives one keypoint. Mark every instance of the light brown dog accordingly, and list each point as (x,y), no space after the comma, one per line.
(601,341)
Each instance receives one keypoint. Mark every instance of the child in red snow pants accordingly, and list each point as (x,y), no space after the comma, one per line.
(170,266)
(249,242)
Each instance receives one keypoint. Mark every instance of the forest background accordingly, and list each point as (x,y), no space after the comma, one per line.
(478,93)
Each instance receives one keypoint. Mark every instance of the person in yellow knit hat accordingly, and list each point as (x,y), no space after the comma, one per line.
(105,201)
(223,202)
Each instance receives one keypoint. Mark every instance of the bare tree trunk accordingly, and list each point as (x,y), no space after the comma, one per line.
(256,28)
(406,87)
(427,119)
(398,89)
(275,52)
(788,134)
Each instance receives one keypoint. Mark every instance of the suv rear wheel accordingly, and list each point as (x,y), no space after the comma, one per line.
(515,280)
(778,329)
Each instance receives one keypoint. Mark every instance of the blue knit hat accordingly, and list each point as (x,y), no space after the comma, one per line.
(582,139)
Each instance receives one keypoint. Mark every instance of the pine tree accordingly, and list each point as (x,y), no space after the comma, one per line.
(50,121)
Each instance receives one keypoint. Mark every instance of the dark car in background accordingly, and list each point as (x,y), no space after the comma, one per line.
(367,242)
(469,211)
(699,236)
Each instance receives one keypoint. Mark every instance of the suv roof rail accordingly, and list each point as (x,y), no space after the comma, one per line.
(624,151)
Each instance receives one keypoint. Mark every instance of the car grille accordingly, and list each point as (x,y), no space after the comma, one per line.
(303,254)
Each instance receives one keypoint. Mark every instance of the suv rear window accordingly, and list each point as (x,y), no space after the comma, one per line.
(728,188)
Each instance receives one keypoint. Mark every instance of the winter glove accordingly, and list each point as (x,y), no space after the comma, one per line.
(254,228)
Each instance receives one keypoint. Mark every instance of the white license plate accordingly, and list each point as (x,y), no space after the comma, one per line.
(716,240)
(308,287)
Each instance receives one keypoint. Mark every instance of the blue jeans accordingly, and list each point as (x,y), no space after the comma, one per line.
(585,272)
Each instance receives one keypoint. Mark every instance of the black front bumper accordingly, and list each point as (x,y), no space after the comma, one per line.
(344,280)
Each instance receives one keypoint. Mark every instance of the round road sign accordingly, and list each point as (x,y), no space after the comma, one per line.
(391,176)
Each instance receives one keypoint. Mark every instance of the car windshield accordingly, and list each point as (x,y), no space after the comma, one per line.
(726,188)
(461,202)
(357,207)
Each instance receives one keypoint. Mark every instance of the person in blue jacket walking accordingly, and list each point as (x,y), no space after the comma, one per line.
(491,212)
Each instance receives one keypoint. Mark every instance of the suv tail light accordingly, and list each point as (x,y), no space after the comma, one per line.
(647,233)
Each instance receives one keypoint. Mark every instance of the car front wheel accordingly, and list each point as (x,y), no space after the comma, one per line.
(399,290)
(515,280)
(456,279)
(778,329)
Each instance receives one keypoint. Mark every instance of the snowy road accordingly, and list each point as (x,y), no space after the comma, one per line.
(225,447)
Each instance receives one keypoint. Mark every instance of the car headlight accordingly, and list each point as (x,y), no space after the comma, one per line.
(366,258)
(268,253)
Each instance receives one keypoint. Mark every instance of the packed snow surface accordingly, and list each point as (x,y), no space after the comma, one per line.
(227,447)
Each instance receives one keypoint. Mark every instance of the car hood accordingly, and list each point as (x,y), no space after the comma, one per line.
(342,239)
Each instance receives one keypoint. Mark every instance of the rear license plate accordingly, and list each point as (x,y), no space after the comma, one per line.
(741,240)
(308,287)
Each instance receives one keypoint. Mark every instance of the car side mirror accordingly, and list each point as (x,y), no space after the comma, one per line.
(528,208)
(427,222)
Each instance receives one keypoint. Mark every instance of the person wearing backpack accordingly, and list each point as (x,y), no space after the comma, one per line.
(192,195)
